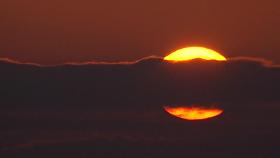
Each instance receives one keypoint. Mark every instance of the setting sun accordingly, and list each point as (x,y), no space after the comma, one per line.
(190,53)
(193,113)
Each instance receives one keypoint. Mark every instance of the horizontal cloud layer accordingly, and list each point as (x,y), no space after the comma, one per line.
(148,81)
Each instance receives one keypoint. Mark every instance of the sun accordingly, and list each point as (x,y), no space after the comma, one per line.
(190,53)
(193,113)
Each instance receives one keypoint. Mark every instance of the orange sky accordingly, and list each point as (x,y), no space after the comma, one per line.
(57,31)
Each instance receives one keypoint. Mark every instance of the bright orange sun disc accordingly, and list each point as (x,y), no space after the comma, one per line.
(193,113)
(190,53)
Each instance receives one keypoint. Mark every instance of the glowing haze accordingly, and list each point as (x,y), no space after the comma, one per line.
(190,53)
(193,113)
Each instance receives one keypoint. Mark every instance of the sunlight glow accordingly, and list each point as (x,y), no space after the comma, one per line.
(190,53)
(193,113)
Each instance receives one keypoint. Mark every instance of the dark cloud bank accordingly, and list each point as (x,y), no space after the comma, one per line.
(146,81)
(115,109)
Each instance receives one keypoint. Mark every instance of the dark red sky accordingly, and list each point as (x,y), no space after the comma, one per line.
(56,31)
